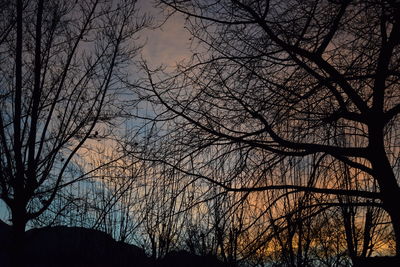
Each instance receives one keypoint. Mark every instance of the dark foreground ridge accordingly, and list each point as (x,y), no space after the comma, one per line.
(63,246)
(76,246)
(377,262)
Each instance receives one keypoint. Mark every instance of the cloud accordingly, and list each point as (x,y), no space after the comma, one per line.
(168,44)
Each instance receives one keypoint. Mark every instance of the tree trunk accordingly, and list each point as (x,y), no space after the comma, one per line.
(389,189)
(18,234)
(384,175)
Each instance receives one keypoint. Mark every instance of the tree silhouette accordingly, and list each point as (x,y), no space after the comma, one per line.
(61,63)
(285,82)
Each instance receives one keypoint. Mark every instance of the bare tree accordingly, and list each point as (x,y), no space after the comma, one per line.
(277,82)
(61,66)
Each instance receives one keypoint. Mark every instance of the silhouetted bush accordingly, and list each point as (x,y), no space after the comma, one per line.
(376,261)
(183,259)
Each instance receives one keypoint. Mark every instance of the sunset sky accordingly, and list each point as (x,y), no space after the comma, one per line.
(167,44)
(257,133)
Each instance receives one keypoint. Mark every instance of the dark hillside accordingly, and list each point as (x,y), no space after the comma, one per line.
(73,246)
(76,246)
